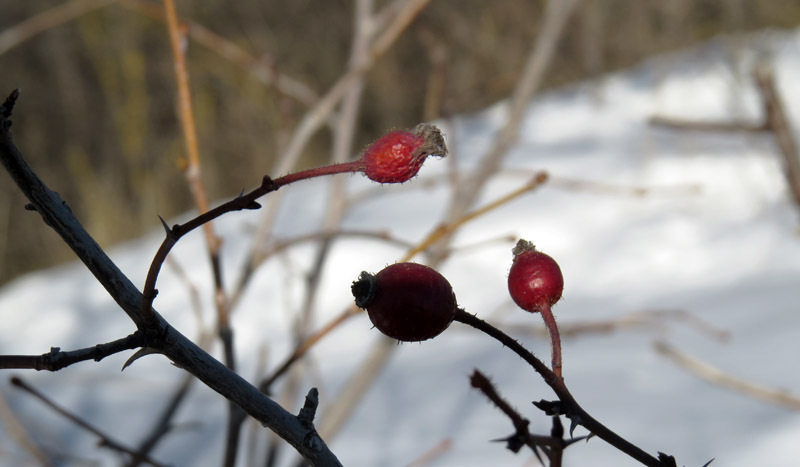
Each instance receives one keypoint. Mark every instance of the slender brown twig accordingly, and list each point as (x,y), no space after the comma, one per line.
(105,440)
(556,15)
(213,242)
(163,423)
(231,52)
(716,376)
(19,434)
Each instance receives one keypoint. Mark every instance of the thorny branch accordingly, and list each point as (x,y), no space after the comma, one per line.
(553,445)
(162,337)
(567,405)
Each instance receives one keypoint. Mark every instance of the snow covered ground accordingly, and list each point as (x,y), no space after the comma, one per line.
(717,237)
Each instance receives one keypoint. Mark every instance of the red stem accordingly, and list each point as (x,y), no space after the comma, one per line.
(555,339)
(354,166)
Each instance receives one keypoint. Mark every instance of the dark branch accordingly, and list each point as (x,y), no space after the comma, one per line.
(242,202)
(56,359)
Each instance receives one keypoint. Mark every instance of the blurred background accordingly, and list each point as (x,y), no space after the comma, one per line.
(97,116)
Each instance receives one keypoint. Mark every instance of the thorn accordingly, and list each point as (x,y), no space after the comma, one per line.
(252,205)
(139,354)
(667,460)
(550,407)
(267,183)
(164,224)
(309,410)
(709,462)
(513,443)
(8,105)
(574,421)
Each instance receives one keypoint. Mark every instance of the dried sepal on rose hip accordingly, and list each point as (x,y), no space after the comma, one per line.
(535,283)
(397,156)
(406,301)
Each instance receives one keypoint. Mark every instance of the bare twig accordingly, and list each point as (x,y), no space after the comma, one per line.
(433,454)
(105,440)
(232,52)
(580,184)
(163,423)
(654,318)
(213,243)
(716,376)
(557,13)
(56,359)
(446,230)
(480,382)
(712,127)
(20,435)
(258,258)
(775,121)
(778,122)
(67,11)
(193,170)
(304,346)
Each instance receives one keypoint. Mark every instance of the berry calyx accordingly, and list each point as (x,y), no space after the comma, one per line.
(397,156)
(535,283)
(535,280)
(406,301)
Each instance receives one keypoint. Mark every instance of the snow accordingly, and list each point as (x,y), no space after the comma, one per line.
(716,237)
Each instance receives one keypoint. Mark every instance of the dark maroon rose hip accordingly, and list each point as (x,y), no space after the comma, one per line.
(406,301)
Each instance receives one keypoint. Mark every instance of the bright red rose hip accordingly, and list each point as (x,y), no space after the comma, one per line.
(535,280)
(397,156)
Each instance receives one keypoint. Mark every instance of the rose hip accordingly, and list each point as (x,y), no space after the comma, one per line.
(397,156)
(535,284)
(406,301)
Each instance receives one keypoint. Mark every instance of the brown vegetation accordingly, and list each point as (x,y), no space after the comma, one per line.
(100,91)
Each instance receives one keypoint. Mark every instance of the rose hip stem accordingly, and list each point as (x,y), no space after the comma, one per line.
(555,338)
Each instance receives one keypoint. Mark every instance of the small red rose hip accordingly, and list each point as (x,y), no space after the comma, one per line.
(397,156)
(535,283)
(406,301)
(535,280)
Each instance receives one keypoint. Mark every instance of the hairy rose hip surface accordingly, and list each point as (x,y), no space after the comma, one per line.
(397,156)
(406,301)
(535,280)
